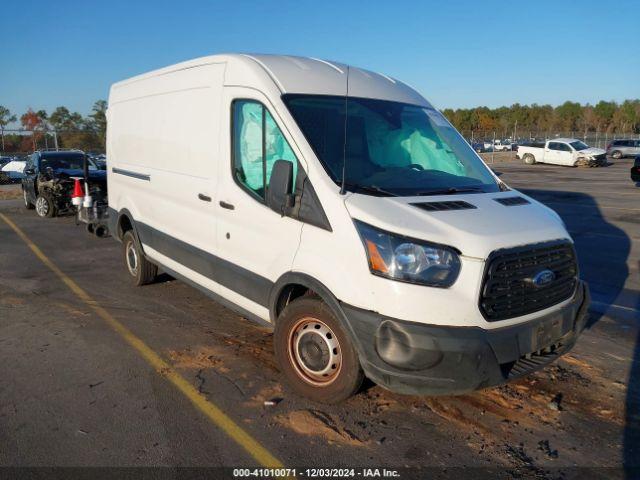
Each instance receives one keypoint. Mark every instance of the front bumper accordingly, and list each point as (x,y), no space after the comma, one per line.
(414,358)
(599,161)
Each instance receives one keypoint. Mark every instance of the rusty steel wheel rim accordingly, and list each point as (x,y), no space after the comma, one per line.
(314,352)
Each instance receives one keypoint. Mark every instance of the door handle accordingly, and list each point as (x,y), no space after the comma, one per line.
(204,198)
(226,205)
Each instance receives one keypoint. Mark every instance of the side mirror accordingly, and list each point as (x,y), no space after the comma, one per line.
(279,196)
(29,171)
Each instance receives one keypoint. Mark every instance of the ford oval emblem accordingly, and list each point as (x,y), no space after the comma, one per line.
(542,278)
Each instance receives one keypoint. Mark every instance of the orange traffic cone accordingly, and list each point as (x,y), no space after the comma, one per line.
(78,194)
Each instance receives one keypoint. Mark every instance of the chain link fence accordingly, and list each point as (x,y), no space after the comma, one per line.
(21,143)
(17,144)
(11,166)
(488,141)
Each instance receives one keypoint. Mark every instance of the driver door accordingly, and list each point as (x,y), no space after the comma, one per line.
(30,178)
(258,243)
(565,154)
(554,154)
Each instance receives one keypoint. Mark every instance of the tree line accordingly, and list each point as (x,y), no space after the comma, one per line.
(61,128)
(72,130)
(604,117)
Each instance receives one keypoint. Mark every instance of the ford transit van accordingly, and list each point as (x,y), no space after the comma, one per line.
(340,207)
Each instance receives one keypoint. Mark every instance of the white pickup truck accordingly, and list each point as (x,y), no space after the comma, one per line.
(562,151)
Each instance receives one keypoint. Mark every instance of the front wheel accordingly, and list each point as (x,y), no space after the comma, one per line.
(27,203)
(529,159)
(315,353)
(45,206)
(142,271)
(617,154)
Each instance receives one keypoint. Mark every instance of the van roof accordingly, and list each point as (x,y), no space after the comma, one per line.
(293,74)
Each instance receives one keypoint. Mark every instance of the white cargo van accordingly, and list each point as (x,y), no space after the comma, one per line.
(337,205)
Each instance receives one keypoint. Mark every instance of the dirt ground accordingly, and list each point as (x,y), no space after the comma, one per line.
(10,192)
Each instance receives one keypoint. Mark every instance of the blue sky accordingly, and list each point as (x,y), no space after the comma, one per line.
(457,54)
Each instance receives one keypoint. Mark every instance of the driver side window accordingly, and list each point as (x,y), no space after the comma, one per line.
(257,143)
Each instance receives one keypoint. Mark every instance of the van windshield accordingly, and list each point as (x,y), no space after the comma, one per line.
(391,148)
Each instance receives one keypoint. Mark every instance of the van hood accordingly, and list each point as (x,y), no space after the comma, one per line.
(475,232)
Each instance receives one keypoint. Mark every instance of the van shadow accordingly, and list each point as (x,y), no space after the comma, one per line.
(603,251)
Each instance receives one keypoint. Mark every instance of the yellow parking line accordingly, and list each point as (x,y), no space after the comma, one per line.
(212,412)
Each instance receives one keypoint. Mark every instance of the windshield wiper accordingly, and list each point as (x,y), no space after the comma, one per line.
(370,189)
(451,191)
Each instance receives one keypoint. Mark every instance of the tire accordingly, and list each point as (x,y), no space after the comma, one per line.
(45,207)
(27,203)
(325,368)
(617,154)
(529,159)
(141,270)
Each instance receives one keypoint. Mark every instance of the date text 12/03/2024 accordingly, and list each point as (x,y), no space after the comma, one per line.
(315,473)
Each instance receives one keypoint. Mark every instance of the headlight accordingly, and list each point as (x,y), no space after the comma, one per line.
(408,260)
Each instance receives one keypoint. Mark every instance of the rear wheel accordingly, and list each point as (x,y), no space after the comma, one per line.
(45,206)
(529,159)
(142,271)
(27,203)
(315,353)
(617,154)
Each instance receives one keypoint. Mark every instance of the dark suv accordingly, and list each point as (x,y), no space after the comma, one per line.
(48,180)
(624,148)
(635,170)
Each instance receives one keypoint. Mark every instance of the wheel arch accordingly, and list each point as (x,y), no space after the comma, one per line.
(125,222)
(292,285)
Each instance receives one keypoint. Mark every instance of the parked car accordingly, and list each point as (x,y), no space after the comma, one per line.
(12,171)
(362,227)
(48,180)
(4,178)
(623,148)
(502,146)
(635,170)
(478,147)
(562,151)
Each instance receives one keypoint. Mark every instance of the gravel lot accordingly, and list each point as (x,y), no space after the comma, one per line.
(75,392)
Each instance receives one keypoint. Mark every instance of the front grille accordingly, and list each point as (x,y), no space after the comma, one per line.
(507,288)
